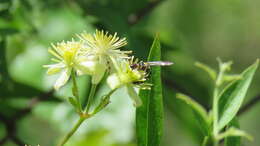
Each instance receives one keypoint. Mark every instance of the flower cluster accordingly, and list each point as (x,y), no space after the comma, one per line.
(95,55)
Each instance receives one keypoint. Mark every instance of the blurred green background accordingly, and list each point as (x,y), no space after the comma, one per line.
(31,113)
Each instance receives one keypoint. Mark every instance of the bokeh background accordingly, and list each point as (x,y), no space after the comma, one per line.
(31,113)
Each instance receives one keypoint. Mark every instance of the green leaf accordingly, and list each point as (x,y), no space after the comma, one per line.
(212,73)
(73,102)
(149,117)
(199,111)
(233,141)
(75,86)
(234,132)
(232,96)
(205,141)
(229,78)
(104,102)
(142,118)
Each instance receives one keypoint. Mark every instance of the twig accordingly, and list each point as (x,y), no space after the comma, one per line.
(4,140)
(178,88)
(249,105)
(32,103)
(17,141)
(175,86)
(10,122)
(136,17)
(10,125)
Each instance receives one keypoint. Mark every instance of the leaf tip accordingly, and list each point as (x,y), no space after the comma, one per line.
(157,35)
(179,95)
(257,61)
(255,65)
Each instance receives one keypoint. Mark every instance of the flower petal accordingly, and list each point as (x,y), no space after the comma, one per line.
(86,67)
(100,70)
(113,81)
(133,95)
(54,68)
(62,80)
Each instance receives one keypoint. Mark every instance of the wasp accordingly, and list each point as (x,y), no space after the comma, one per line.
(146,66)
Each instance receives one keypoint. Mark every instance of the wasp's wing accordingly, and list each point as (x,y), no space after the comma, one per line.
(159,63)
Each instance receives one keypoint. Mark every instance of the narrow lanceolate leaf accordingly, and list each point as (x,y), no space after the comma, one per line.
(142,118)
(232,140)
(212,73)
(234,132)
(233,95)
(149,117)
(74,103)
(200,113)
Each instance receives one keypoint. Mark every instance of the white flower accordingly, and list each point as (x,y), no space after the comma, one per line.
(129,77)
(101,47)
(67,58)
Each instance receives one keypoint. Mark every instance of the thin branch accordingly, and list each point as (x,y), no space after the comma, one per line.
(178,88)
(136,17)
(32,103)
(249,105)
(10,125)
(4,140)
(17,141)
(10,122)
(175,86)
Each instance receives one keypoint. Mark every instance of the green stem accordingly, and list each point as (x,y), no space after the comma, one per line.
(82,119)
(90,97)
(104,102)
(215,111)
(75,90)
(219,79)
(205,141)
(72,131)
(215,143)
(215,106)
